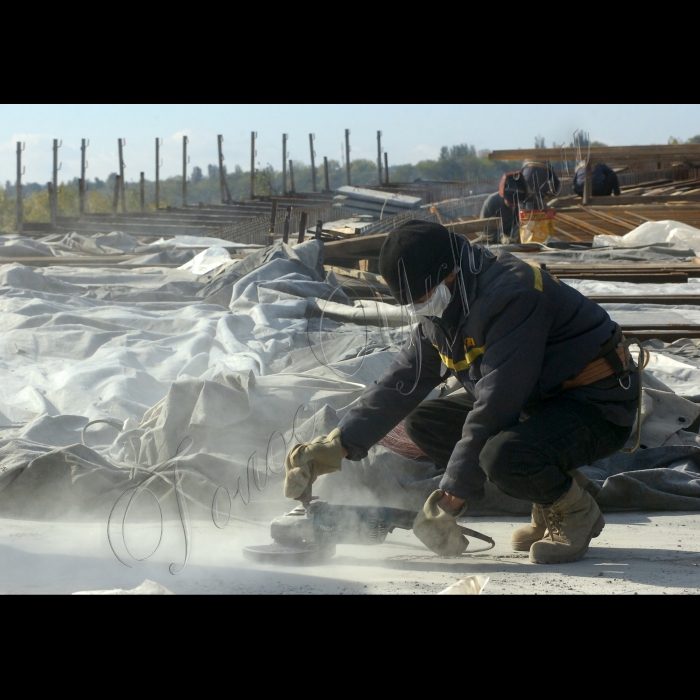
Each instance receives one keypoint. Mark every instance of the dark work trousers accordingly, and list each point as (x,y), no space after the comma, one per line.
(532,459)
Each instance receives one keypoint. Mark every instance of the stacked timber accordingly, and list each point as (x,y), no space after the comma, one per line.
(378,204)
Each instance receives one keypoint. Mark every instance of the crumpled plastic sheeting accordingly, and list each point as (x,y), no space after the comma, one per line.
(119,243)
(227,370)
(659,252)
(653,232)
(663,478)
(16,247)
(177,369)
(208,260)
(592,287)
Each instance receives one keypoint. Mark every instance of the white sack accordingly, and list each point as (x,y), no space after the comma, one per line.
(653,232)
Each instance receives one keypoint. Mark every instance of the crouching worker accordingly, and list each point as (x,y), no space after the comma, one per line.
(549,389)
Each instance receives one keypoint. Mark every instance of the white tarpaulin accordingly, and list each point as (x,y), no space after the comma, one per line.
(224,370)
(654,232)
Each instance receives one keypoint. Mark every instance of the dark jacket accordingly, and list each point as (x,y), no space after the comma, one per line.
(523,335)
(541,180)
(496,207)
(605,181)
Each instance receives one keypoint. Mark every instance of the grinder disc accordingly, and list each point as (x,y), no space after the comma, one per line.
(286,555)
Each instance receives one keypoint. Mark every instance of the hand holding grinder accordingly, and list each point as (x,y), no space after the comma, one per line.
(311,531)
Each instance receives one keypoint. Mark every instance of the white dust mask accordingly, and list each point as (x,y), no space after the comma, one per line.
(435,306)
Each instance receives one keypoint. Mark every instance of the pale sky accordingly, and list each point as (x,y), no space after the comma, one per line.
(411,132)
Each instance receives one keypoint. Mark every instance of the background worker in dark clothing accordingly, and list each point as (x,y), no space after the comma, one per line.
(542,183)
(549,389)
(503,205)
(605,181)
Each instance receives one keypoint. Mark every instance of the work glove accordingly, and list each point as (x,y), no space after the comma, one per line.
(439,531)
(305,463)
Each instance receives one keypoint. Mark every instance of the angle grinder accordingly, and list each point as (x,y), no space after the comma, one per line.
(309,534)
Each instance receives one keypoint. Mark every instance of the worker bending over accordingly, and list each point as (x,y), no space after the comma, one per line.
(503,206)
(526,189)
(605,180)
(548,390)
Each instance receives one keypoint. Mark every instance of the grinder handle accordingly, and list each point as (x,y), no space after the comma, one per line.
(307,496)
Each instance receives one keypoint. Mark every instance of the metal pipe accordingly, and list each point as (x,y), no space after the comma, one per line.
(143,192)
(379,157)
(386,167)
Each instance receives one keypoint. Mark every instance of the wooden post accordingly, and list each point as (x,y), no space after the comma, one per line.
(588,186)
(52,211)
(121,181)
(291,176)
(253,153)
(386,167)
(222,189)
(303,223)
(313,162)
(319,229)
(185,163)
(326,174)
(81,199)
(143,192)
(20,199)
(158,144)
(285,137)
(347,156)
(379,157)
(117,186)
(82,187)
(273,222)
(287,224)
(54,197)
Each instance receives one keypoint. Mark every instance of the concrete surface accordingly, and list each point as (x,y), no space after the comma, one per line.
(636,554)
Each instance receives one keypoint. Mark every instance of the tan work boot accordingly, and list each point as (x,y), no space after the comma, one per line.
(523,539)
(571,524)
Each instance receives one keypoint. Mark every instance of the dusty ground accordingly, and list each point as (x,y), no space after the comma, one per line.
(636,554)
